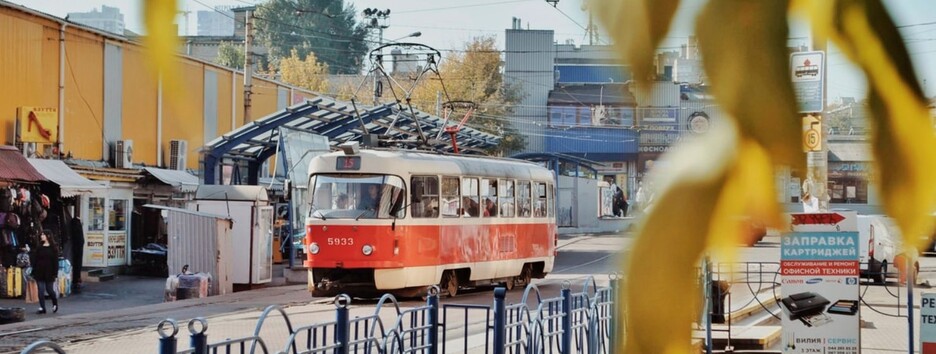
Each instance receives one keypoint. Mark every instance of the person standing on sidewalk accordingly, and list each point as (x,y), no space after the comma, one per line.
(45,270)
(76,233)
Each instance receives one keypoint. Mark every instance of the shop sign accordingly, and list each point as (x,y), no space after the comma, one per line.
(37,124)
(654,148)
(94,250)
(819,291)
(658,137)
(849,170)
(648,115)
(928,324)
(116,249)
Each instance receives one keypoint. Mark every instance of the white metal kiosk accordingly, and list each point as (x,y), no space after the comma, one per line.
(252,233)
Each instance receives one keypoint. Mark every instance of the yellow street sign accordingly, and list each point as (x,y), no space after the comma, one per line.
(812,133)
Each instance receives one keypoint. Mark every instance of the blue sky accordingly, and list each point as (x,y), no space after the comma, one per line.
(447,24)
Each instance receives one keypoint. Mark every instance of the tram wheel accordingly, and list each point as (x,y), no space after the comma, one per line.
(449,283)
(526,275)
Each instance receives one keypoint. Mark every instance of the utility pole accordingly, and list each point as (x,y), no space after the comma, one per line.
(248,64)
(378,20)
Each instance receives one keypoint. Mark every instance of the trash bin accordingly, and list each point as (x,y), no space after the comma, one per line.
(719,291)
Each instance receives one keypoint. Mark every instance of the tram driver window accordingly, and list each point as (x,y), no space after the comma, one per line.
(470,201)
(539,209)
(524,199)
(425,199)
(451,197)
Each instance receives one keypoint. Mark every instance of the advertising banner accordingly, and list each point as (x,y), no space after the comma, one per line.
(928,324)
(37,124)
(94,250)
(819,268)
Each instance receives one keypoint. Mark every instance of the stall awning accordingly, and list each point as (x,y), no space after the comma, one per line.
(15,168)
(184,181)
(69,181)
(850,152)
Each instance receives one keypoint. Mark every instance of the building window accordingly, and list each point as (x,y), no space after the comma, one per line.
(427,188)
(118,215)
(96,211)
(451,197)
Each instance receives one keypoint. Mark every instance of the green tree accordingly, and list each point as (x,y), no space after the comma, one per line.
(711,181)
(327,27)
(476,74)
(306,73)
(230,55)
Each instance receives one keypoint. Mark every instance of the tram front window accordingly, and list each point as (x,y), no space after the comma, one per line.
(356,196)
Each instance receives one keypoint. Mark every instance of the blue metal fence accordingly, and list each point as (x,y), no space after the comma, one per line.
(586,321)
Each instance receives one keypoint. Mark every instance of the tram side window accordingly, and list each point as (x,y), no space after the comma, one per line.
(425,199)
(524,200)
(551,200)
(451,197)
(539,209)
(470,200)
(505,191)
(489,197)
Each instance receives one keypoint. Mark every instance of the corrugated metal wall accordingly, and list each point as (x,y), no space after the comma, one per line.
(111,92)
(204,244)
(140,105)
(28,67)
(182,114)
(528,66)
(113,97)
(211,106)
(84,94)
(661,94)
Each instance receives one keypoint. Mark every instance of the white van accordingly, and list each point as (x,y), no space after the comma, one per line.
(880,242)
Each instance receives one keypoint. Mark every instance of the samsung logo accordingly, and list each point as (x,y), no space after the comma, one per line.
(814,281)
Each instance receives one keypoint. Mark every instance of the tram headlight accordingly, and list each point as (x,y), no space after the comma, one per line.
(313,248)
(367,250)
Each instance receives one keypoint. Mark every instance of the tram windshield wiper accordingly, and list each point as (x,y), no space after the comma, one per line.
(314,210)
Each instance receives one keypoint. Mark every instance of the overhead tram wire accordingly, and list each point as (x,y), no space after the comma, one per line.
(462,6)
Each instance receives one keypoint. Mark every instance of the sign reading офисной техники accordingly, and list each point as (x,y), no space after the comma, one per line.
(819,269)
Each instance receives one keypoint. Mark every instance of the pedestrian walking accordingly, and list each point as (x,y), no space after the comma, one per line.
(45,270)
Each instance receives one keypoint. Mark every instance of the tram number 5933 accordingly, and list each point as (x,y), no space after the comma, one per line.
(340,241)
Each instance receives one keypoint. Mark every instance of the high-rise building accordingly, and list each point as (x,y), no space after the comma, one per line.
(109,19)
(219,22)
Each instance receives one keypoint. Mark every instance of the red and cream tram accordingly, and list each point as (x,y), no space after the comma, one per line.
(400,221)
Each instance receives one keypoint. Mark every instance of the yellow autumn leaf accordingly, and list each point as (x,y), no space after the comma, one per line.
(747,64)
(676,229)
(748,196)
(638,26)
(902,135)
(161,41)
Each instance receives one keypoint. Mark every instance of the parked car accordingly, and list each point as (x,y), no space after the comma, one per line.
(880,245)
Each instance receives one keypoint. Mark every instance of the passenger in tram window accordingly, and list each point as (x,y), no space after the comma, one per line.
(490,208)
(342,201)
(472,208)
(370,200)
(431,207)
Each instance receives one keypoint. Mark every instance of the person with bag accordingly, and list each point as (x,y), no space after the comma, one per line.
(45,270)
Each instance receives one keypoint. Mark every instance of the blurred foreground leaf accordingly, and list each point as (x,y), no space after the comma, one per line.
(902,135)
(748,71)
(638,26)
(162,42)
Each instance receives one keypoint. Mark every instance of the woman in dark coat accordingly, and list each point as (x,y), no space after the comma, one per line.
(45,270)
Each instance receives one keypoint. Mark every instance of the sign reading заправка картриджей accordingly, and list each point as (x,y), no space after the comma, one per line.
(819,268)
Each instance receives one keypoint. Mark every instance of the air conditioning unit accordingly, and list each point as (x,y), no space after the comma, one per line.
(123,154)
(178,150)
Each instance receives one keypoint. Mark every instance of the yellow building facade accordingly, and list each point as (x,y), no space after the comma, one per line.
(104,91)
